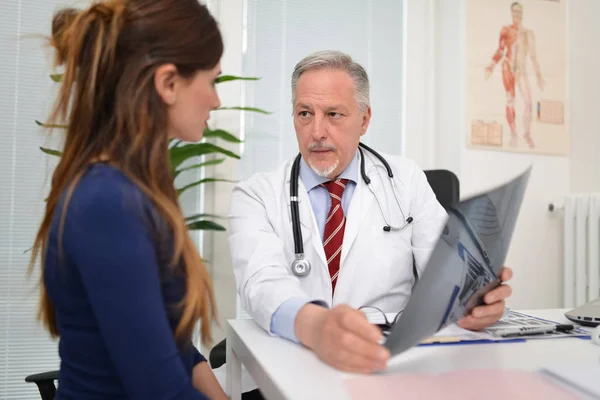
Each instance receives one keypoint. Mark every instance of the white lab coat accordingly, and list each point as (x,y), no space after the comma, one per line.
(376,266)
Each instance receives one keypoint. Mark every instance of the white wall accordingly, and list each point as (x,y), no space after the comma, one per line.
(280,33)
(230,15)
(584,80)
(536,249)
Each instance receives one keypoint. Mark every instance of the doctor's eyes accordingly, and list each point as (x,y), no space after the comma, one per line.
(333,114)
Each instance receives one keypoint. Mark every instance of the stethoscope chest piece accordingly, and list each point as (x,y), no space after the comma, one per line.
(301,266)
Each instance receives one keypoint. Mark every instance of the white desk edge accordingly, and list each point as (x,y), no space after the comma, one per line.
(239,352)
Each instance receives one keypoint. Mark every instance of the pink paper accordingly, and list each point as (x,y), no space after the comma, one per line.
(457,385)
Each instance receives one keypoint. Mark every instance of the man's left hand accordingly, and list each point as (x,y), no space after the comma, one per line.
(483,316)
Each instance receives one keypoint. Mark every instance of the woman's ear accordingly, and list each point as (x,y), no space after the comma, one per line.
(166,82)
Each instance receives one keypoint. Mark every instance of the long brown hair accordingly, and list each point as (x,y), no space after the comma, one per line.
(107,99)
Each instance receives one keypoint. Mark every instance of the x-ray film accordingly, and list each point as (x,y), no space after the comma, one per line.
(464,265)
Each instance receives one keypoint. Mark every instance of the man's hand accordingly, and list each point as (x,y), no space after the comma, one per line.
(342,337)
(483,316)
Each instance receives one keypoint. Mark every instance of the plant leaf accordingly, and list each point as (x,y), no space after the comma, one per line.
(198,216)
(205,226)
(253,109)
(200,182)
(221,134)
(50,125)
(204,164)
(180,154)
(56,77)
(51,152)
(228,78)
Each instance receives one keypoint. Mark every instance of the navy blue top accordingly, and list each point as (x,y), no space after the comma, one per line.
(114,295)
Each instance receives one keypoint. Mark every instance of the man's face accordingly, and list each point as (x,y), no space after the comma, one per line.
(328,120)
(517,13)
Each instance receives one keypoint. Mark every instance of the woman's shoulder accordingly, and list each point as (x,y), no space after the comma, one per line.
(103,183)
(105,195)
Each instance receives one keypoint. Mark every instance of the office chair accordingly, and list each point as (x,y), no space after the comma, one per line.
(45,383)
(445,185)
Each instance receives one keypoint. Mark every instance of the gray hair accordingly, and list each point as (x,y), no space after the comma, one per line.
(335,60)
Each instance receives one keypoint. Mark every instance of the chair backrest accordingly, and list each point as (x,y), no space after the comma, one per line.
(45,383)
(445,185)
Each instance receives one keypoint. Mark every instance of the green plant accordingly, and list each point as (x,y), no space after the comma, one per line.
(197,153)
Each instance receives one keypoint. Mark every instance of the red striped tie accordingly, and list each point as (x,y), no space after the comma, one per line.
(333,236)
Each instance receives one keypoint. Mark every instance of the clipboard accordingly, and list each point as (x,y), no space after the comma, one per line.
(453,341)
(454,335)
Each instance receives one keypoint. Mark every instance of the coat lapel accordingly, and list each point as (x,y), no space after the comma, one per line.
(359,207)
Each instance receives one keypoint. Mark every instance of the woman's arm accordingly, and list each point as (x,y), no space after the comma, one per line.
(110,243)
(205,381)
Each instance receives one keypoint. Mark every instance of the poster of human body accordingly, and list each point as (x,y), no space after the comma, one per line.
(516,61)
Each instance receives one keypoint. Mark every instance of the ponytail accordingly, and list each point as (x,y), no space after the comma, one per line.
(85,43)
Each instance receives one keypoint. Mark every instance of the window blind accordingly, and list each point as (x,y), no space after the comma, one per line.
(279,33)
(26,95)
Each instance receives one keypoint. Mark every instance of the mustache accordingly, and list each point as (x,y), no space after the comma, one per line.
(319,146)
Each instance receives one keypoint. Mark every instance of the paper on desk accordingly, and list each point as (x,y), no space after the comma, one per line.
(454,333)
(450,333)
(457,385)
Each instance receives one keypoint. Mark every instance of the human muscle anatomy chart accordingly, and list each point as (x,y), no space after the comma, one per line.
(516,75)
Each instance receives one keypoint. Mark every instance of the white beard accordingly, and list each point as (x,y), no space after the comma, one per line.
(325,172)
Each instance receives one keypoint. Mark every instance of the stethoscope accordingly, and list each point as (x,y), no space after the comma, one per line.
(301,266)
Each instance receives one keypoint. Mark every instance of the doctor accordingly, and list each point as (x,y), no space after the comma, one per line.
(357,245)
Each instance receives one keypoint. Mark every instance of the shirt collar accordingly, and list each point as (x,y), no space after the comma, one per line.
(310,179)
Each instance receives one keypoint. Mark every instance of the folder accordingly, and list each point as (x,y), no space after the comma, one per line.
(489,384)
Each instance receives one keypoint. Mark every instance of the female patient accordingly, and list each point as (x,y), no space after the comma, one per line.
(123,284)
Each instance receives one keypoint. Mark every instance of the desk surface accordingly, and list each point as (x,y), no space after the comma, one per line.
(284,370)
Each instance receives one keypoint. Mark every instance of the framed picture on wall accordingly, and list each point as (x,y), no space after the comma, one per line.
(516,75)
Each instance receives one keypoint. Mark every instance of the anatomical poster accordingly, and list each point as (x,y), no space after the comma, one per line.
(516,76)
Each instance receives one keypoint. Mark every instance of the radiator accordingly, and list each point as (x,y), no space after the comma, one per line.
(581,249)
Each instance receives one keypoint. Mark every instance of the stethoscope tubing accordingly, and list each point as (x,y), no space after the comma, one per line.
(295,213)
